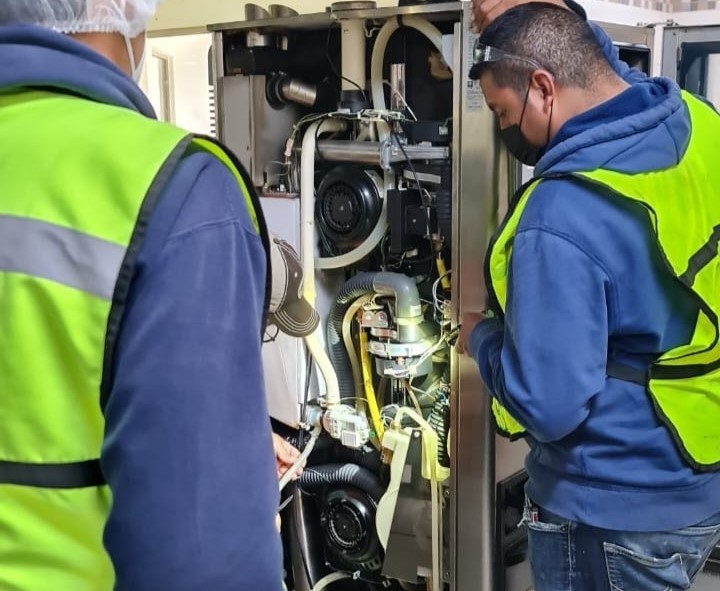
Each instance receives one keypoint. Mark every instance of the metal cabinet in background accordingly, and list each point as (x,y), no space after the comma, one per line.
(691,55)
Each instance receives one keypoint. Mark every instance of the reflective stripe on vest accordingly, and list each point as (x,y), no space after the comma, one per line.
(79,182)
(683,205)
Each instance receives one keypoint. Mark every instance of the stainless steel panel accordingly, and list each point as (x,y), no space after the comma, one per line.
(259,138)
(475,206)
(629,35)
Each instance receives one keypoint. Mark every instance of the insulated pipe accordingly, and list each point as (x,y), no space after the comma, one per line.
(407,307)
(352,52)
(352,474)
(404,290)
(378,55)
(307,249)
(356,287)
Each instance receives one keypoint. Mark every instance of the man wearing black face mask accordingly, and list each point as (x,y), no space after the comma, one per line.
(603,343)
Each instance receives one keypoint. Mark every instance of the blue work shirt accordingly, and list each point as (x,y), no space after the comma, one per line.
(587,284)
(187,451)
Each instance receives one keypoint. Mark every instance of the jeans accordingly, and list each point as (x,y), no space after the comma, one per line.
(569,556)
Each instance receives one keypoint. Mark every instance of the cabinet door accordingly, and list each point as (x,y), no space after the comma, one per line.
(691,55)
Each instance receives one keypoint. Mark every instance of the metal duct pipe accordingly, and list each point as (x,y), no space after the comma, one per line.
(377,153)
(350,151)
(352,50)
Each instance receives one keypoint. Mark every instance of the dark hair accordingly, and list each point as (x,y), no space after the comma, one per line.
(556,38)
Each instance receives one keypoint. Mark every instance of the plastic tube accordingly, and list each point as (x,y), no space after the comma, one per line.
(349,345)
(442,272)
(292,470)
(369,389)
(378,55)
(352,33)
(307,202)
(352,474)
(323,583)
(357,286)
(307,249)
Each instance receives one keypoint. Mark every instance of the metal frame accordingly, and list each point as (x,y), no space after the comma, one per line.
(675,37)
(483,178)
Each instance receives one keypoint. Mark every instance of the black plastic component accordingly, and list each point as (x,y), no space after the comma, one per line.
(436,132)
(249,61)
(351,540)
(349,496)
(437,178)
(353,100)
(410,220)
(348,206)
(511,534)
(439,420)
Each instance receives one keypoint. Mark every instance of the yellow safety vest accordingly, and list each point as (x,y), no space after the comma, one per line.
(78,182)
(683,205)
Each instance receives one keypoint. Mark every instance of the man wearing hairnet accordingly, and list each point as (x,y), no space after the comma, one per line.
(136,450)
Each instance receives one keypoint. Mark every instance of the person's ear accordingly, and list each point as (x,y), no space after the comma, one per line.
(543,82)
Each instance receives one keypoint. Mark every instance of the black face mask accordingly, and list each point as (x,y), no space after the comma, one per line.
(518,145)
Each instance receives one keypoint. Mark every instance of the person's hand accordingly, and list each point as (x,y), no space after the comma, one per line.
(286,455)
(278,522)
(486,11)
(467,323)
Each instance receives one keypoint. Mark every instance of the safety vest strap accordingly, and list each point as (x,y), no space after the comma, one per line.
(703,257)
(627,373)
(70,475)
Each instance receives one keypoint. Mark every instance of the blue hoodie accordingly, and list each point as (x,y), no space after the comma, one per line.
(187,452)
(587,284)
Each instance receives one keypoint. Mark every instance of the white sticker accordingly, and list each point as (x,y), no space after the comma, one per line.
(474,100)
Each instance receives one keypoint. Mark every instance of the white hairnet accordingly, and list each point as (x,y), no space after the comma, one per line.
(127,17)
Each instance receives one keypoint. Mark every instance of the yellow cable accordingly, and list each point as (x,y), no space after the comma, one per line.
(442,272)
(369,389)
(350,348)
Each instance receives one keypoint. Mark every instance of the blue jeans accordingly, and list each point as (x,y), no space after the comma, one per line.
(569,556)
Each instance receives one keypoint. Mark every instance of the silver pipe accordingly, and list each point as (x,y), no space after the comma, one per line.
(349,151)
(377,153)
(299,92)
(397,87)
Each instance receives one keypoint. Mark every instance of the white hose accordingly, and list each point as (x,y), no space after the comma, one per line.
(378,55)
(307,249)
(323,583)
(292,470)
(367,246)
(307,202)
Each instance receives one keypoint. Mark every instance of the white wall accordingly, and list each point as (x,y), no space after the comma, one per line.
(611,12)
(190,87)
(698,17)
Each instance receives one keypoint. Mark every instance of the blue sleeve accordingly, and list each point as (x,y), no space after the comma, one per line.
(188,450)
(548,360)
(630,75)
